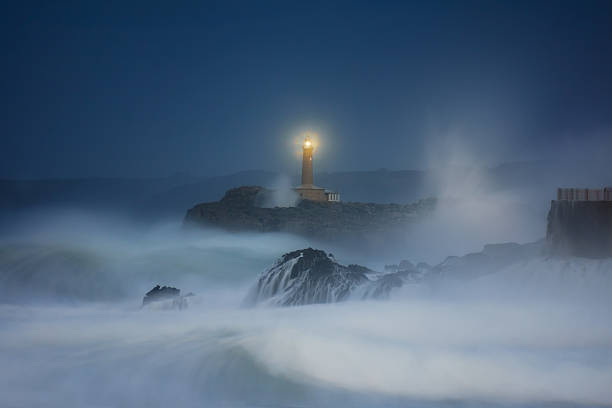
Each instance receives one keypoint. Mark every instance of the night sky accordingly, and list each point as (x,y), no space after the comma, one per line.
(149,89)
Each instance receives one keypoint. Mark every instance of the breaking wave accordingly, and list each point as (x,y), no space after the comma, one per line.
(74,333)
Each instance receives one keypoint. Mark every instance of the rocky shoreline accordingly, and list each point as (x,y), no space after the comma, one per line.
(311,276)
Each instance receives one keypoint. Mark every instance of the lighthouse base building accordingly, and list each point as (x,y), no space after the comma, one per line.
(314,193)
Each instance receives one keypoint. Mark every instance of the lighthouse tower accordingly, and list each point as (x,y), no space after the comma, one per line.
(307,190)
(307,148)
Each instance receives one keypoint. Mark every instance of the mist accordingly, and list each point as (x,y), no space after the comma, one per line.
(473,208)
(75,332)
(281,194)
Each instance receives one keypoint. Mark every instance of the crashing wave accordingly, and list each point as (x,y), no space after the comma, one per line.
(310,276)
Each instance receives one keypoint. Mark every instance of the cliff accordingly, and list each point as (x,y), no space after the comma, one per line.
(240,210)
(580,228)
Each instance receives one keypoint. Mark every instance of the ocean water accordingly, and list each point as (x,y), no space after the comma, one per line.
(73,333)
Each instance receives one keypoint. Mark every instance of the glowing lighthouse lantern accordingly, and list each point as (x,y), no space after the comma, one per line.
(307,190)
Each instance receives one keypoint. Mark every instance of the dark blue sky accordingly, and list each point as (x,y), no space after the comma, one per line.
(149,89)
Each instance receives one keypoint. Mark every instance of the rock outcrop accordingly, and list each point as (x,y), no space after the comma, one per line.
(166,297)
(240,210)
(310,276)
(580,228)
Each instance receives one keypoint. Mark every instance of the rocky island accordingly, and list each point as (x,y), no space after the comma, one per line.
(241,209)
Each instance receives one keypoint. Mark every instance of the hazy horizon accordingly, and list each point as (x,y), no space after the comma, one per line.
(139,90)
(297,169)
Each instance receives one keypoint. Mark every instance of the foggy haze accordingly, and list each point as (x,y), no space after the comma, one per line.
(120,118)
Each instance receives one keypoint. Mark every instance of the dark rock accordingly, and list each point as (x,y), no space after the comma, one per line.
(358,269)
(310,276)
(580,228)
(303,277)
(160,293)
(166,293)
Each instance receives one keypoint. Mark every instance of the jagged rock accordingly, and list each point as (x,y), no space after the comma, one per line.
(240,210)
(303,277)
(160,293)
(171,297)
(310,276)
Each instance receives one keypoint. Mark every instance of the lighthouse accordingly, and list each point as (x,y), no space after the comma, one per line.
(307,190)
(307,178)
